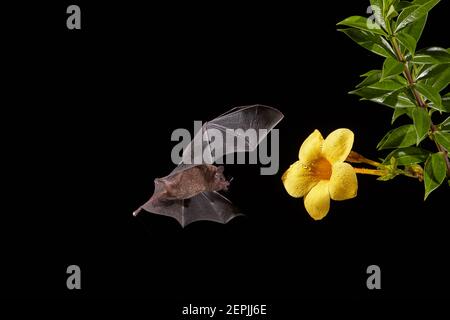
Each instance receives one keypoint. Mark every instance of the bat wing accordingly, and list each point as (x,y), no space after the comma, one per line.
(213,206)
(210,206)
(213,141)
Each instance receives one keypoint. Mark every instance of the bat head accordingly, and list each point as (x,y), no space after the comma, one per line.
(220,183)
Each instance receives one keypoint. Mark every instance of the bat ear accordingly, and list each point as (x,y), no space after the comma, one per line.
(220,169)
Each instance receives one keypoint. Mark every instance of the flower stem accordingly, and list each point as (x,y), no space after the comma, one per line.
(355,157)
(373,172)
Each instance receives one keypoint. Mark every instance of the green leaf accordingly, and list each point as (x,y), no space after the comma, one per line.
(419,2)
(436,76)
(362,23)
(434,173)
(369,93)
(372,77)
(390,2)
(417,69)
(409,42)
(401,111)
(409,155)
(370,41)
(388,85)
(404,15)
(425,71)
(391,12)
(415,29)
(414,13)
(445,125)
(429,92)
(403,136)
(443,138)
(446,103)
(391,67)
(370,73)
(444,107)
(388,47)
(433,55)
(394,99)
(402,5)
(422,122)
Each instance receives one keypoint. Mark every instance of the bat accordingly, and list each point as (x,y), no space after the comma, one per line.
(191,191)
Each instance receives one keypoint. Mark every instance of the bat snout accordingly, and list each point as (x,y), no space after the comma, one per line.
(225,185)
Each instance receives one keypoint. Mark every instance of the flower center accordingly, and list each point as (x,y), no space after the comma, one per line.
(321,168)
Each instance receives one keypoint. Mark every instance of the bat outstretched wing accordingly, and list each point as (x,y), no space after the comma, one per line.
(211,206)
(240,129)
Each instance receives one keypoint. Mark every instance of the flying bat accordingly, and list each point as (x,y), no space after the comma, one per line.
(191,191)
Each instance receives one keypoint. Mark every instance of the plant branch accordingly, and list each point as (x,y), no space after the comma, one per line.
(409,77)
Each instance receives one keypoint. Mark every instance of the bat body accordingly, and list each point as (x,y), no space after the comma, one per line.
(190,194)
(188,183)
(191,191)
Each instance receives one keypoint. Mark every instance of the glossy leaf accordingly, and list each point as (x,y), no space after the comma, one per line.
(415,29)
(370,41)
(402,5)
(429,92)
(409,155)
(388,84)
(372,77)
(390,12)
(369,93)
(419,2)
(395,99)
(446,103)
(414,13)
(422,122)
(401,111)
(391,67)
(403,136)
(443,138)
(434,172)
(362,23)
(388,47)
(445,125)
(408,41)
(433,55)
(436,76)
(425,71)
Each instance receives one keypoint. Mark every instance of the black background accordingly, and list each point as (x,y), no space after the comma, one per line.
(88,117)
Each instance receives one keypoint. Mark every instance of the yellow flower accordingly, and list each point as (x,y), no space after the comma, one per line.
(321,173)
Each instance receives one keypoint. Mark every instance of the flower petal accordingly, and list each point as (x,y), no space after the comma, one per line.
(317,201)
(338,145)
(298,180)
(311,148)
(343,182)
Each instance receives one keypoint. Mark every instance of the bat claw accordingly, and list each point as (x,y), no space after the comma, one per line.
(136,212)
